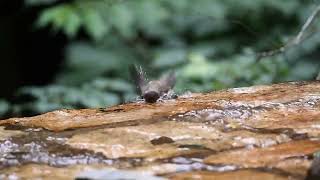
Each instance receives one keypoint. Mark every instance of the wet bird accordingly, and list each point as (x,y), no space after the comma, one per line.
(151,91)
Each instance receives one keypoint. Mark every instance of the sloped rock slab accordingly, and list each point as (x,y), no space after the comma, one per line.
(266,132)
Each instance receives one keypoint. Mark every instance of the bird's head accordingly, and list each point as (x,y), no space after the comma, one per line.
(151,96)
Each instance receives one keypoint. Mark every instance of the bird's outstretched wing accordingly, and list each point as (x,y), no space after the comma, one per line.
(168,80)
(139,77)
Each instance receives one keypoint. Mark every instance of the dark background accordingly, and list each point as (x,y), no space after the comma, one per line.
(29,56)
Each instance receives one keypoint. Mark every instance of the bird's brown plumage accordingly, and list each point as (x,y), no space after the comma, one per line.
(151,91)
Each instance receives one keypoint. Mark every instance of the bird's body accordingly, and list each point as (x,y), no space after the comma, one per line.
(151,91)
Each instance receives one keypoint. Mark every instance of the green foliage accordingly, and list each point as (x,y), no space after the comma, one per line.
(211,45)
(69,18)
(4,108)
(39,2)
(317,154)
(98,93)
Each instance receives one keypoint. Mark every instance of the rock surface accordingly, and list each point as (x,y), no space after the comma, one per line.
(265,132)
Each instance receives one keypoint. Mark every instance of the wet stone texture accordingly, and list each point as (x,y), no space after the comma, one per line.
(259,132)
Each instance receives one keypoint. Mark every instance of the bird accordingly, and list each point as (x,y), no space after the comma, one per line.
(152,90)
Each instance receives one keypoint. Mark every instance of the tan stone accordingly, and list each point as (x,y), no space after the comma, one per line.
(295,165)
(264,157)
(44,172)
(236,175)
(250,96)
(5,134)
(135,141)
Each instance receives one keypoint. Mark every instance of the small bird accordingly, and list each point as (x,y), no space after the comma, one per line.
(151,91)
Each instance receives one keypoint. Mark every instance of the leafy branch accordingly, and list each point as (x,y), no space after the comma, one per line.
(299,38)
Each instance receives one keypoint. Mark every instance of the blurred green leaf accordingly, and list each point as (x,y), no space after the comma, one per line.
(56,97)
(63,17)
(317,154)
(39,2)
(169,57)
(94,23)
(72,24)
(112,85)
(4,107)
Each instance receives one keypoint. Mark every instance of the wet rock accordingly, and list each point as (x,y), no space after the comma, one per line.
(242,174)
(134,141)
(44,172)
(295,166)
(266,132)
(269,104)
(262,157)
(113,174)
(5,134)
(290,157)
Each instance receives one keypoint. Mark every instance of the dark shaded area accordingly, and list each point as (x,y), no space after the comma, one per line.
(162,140)
(30,56)
(314,171)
